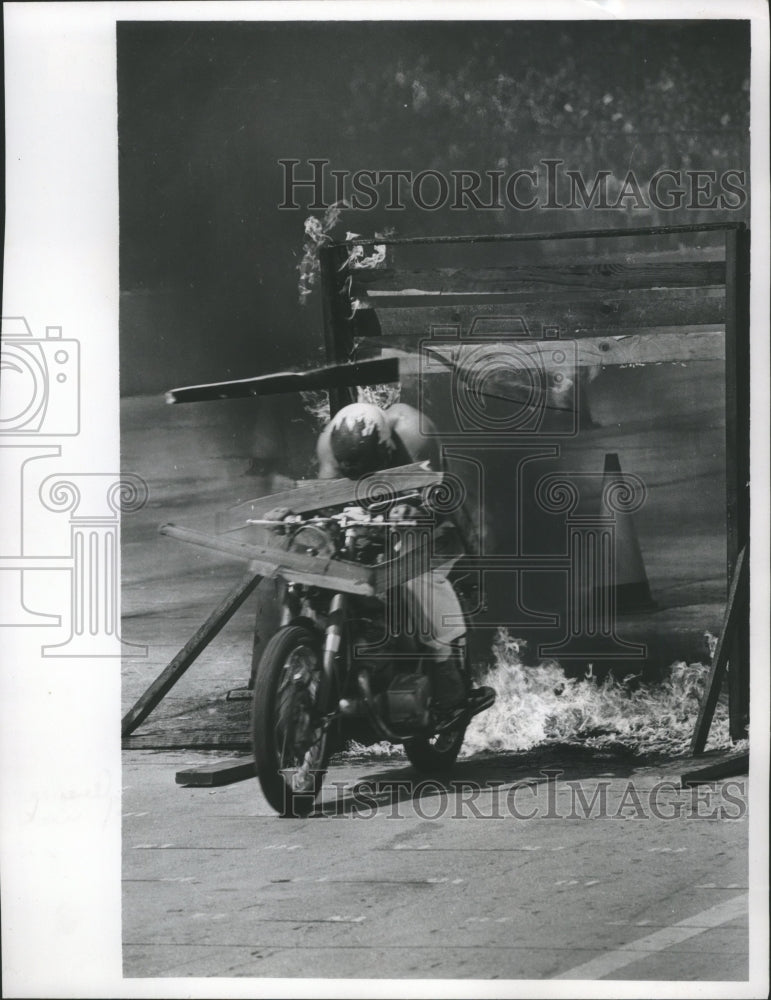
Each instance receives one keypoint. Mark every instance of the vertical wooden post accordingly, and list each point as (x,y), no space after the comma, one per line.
(737,339)
(338,327)
(738,598)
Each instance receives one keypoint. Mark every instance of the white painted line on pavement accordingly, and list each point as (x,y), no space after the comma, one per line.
(603,965)
(370,881)
(714,885)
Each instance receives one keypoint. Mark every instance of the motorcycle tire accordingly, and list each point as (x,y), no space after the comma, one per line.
(291,747)
(435,755)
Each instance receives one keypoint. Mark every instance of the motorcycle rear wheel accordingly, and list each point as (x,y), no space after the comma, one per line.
(291,744)
(435,755)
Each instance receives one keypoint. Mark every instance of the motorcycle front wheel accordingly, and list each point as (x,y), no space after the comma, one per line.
(291,744)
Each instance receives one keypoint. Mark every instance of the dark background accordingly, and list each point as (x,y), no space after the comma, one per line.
(208,261)
(209,278)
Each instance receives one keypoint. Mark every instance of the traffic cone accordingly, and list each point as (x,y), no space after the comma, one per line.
(633,592)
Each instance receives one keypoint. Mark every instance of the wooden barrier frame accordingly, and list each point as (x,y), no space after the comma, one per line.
(692,296)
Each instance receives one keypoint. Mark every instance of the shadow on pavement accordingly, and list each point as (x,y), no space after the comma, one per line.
(568,762)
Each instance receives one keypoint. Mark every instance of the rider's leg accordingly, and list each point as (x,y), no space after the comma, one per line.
(440,626)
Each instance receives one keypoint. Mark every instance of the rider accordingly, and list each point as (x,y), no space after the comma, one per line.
(361,439)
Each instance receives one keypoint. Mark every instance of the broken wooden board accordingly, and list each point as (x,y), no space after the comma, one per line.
(726,767)
(317,494)
(317,571)
(314,571)
(191,739)
(371,372)
(217,773)
(192,649)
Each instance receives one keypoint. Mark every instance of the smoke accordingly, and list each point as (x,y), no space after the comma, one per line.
(316,405)
(383,394)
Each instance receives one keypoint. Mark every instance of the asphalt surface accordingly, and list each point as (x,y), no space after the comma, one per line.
(498,875)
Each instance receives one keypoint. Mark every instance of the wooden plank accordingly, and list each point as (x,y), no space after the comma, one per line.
(728,767)
(334,574)
(382,284)
(559,253)
(737,599)
(681,255)
(413,299)
(195,739)
(576,234)
(200,639)
(370,372)
(316,494)
(572,314)
(650,347)
(220,772)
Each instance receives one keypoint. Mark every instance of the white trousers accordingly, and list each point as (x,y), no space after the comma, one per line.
(436,612)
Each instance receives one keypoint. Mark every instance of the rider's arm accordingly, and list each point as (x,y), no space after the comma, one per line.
(328,467)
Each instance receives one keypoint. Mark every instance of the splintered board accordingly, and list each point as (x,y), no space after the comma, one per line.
(219,772)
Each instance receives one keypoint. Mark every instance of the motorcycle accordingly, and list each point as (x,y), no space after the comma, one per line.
(349,661)
(352,658)
(355,656)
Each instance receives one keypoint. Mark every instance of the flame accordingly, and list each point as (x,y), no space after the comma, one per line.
(541,705)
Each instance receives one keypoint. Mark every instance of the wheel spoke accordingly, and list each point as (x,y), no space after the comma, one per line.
(289,724)
(299,740)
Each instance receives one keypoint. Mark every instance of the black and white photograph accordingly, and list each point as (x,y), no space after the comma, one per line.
(395,499)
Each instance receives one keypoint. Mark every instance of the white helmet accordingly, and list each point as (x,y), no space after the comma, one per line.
(360,440)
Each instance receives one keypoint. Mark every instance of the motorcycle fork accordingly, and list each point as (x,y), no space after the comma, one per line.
(291,605)
(333,635)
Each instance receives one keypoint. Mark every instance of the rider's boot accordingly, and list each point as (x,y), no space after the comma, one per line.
(450,687)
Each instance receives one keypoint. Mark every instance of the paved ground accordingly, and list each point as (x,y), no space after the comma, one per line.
(452,883)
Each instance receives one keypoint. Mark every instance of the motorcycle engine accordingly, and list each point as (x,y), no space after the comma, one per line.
(408,698)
